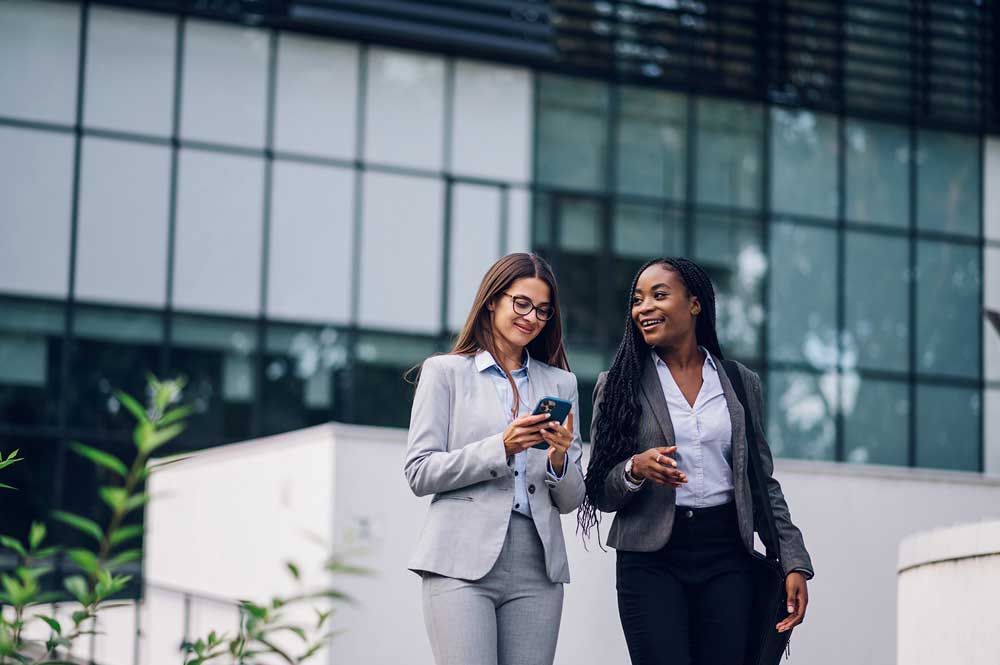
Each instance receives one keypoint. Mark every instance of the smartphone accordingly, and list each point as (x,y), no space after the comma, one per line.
(557,409)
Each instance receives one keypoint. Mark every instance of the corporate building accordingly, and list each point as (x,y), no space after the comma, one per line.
(291,202)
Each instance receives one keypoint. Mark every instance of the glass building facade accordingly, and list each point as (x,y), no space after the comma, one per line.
(291,220)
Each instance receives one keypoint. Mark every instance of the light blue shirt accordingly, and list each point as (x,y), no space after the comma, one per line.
(486,363)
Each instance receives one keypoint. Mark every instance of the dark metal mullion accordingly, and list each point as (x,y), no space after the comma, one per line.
(175,132)
(504,221)
(840,446)
(609,211)
(449,198)
(258,359)
(982,301)
(767,155)
(690,174)
(916,67)
(74,222)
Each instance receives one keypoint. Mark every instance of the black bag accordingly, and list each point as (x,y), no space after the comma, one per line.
(766,644)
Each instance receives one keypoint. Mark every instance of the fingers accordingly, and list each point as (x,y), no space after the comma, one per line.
(530,420)
(797,599)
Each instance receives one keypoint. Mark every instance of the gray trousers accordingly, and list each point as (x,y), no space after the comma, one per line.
(509,617)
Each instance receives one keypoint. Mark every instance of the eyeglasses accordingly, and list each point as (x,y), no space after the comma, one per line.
(523,306)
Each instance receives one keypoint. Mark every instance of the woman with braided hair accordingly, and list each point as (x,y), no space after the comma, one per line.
(669,458)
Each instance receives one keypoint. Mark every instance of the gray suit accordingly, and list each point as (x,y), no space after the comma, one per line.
(455,452)
(644,518)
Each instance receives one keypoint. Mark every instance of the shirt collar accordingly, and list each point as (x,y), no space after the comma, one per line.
(485,360)
(708,356)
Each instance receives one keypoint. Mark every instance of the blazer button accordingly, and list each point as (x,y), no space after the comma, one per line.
(493,473)
(531,489)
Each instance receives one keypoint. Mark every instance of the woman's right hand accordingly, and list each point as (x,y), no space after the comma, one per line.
(523,433)
(657,465)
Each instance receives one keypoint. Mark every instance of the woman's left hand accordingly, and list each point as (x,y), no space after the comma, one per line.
(797,596)
(560,438)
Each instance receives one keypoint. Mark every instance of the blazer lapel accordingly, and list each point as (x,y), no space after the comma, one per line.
(653,391)
(736,416)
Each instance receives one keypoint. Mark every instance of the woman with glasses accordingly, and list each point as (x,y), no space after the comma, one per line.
(492,555)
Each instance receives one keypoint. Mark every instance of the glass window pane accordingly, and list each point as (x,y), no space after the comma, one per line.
(130,71)
(991,301)
(112,350)
(36,483)
(301,366)
(580,241)
(122,234)
(31,347)
(396,294)
(878,173)
(948,309)
(729,248)
(311,243)
(316,103)
(877,320)
(876,420)
(572,133)
(36,179)
(804,163)
(651,143)
(219,212)
(39,42)
(519,204)
(991,432)
(948,187)
(475,245)
(380,395)
(405,109)
(493,121)
(801,416)
(225,83)
(218,359)
(948,421)
(730,144)
(991,197)
(802,317)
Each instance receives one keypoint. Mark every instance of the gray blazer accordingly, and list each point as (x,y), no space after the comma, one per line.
(644,519)
(455,452)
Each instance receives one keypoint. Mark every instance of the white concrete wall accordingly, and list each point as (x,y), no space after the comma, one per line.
(230,518)
(949,582)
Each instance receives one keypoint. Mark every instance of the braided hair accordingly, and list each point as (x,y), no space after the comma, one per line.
(613,437)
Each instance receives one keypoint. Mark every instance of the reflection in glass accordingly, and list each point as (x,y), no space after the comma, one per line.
(804,163)
(112,350)
(948,309)
(948,421)
(580,240)
(218,358)
(801,414)
(877,322)
(730,143)
(877,173)
(651,143)
(572,136)
(876,421)
(31,346)
(948,183)
(380,394)
(802,316)
(729,248)
(300,366)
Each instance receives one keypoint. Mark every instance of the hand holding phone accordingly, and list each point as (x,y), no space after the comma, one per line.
(556,408)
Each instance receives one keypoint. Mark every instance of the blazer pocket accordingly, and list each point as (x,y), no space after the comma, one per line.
(445,497)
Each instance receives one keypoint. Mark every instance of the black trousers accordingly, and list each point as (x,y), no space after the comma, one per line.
(690,602)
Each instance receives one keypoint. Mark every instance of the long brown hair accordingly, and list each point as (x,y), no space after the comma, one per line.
(477,334)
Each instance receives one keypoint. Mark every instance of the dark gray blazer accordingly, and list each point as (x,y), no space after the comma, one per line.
(644,519)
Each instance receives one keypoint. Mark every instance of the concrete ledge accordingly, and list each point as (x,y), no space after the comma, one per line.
(954,543)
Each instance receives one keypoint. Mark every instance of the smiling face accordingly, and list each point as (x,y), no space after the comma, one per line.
(662,308)
(514,331)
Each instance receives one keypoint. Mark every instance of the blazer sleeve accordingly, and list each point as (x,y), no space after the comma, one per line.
(616,494)
(431,468)
(794,555)
(568,491)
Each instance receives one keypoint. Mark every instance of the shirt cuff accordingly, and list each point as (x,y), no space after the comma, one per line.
(629,485)
(551,473)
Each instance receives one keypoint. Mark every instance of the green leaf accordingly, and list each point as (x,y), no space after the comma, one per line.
(132,405)
(173,415)
(136,501)
(36,535)
(53,624)
(45,553)
(86,559)
(80,523)
(141,434)
(12,544)
(293,569)
(125,533)
(114,496)
(125,557)
(7,487)
(80,616)
(107,460)
(160,437)
(15,591)
(77,585)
